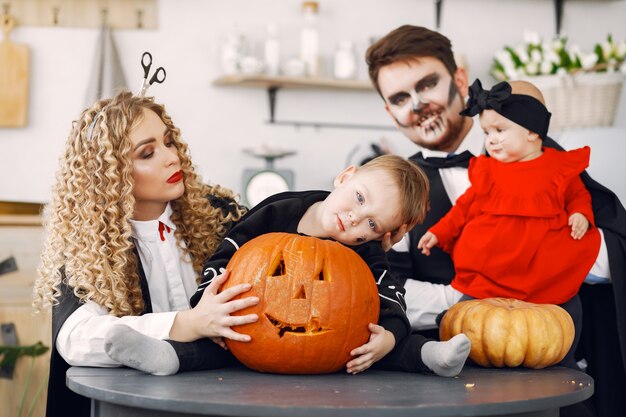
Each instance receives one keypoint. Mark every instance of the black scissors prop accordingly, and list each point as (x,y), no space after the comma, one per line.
(158,76)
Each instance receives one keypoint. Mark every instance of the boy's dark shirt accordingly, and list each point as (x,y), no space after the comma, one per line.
(282,213)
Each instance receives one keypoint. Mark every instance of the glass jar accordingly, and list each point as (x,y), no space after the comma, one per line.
(344,61)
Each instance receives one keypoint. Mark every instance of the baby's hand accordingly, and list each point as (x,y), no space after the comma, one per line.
(381,342)
(579,224)
(426,242)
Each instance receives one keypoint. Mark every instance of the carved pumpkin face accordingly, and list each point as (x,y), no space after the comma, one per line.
(316,298)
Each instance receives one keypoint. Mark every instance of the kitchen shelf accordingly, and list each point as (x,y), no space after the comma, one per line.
(274,83)
(267,81)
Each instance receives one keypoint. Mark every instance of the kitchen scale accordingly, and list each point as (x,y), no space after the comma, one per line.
(258,184)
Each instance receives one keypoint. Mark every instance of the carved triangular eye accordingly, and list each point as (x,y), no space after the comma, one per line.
(301,294)
(280,269)
(321,276)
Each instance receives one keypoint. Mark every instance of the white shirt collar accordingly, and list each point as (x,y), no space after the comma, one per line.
(149,229)
(473,142)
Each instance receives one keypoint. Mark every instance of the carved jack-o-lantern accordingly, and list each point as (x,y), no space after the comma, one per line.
(316,298)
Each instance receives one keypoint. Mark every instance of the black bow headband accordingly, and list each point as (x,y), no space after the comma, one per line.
(522,109)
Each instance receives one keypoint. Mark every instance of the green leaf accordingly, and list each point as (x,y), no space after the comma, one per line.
(514,57)
(10,354)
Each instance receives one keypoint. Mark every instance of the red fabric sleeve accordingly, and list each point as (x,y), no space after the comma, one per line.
(578,200)
(450,226)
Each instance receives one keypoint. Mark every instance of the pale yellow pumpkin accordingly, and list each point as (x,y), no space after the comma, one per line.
(507,333)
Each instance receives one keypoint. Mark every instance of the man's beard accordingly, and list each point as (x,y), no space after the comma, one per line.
(432,122)
(434,130)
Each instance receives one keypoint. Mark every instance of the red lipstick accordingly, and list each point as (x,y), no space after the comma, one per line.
(177,176)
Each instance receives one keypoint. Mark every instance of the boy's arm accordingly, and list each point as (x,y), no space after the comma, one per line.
(253,224)
(390,291)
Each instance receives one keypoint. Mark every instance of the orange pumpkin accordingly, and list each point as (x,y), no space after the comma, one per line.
(316,298)
(509,332)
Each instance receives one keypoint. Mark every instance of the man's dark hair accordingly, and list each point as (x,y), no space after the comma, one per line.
(406,43)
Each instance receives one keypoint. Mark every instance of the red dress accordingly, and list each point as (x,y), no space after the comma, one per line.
(508,234)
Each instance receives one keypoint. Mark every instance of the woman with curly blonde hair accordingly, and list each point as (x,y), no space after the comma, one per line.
(129,226)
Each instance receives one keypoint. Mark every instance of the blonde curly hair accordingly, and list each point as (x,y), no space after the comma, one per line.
(87,220)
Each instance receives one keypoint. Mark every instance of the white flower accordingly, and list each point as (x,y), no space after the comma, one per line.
(588,61)
(531,37)
(620,50)
(557,44)
(535,56)
(505,59)
(552,57)
(522,54)
(511,73)
(607,49)
(532,68)
(546,67)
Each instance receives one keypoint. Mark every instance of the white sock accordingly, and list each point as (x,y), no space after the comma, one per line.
(446,358)
(136,350)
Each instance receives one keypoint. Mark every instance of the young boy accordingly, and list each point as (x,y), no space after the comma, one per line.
(366,205)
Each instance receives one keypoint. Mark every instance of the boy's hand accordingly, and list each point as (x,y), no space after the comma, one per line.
(426,242)
(391,238)
(579,224)
(212,316)
(381,342)
(219,341)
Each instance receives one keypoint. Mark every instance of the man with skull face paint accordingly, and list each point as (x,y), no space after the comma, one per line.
(410,68)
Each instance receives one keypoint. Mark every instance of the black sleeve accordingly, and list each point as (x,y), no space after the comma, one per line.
(258,221)
(390,291)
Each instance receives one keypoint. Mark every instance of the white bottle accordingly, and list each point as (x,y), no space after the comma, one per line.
(344,61)
(272,50)
(309,39)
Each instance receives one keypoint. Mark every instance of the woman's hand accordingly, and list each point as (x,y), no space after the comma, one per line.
(212,316)
(381,343)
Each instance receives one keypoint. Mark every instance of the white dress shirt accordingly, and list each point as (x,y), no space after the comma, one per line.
(171,280)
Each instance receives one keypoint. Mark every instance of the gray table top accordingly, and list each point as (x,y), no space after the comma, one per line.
(241,392)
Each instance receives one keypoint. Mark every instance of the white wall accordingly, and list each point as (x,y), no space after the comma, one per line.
(218,122)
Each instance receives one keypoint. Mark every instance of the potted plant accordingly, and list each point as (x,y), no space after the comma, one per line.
(9,356)
(582,89)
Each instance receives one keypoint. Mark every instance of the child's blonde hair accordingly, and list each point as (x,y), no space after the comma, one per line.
(412,183)
(88,240)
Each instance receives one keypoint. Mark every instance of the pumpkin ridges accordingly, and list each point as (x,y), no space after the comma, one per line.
(565,321)
(532,324)
(517,343)
(535,350)
(495,329)
(472,328)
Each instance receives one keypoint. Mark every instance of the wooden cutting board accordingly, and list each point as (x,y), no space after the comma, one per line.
(14,61)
